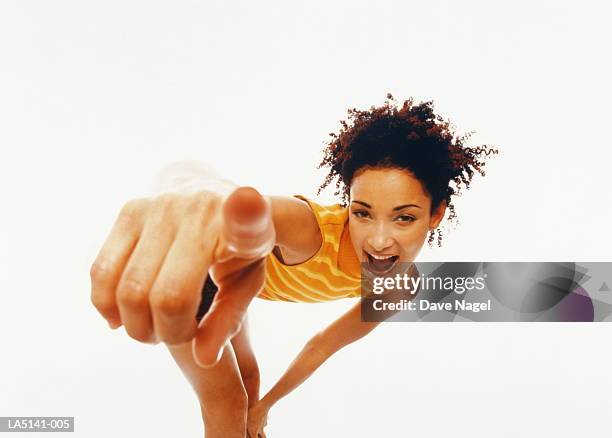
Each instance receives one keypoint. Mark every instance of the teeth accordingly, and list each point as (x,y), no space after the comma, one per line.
(381,257)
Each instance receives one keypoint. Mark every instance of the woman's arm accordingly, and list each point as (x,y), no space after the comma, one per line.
(297,232)
(345,330)
(298,236)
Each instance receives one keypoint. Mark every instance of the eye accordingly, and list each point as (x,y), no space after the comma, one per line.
(405,218)
(361,213)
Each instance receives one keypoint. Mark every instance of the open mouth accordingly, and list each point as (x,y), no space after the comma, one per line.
(381,264)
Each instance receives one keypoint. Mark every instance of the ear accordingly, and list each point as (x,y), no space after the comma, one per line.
(437,215)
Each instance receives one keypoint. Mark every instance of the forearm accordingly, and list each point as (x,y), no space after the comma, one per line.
(345,330)
(302,367)
(296,228)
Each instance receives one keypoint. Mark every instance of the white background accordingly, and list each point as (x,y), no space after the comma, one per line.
(95,97)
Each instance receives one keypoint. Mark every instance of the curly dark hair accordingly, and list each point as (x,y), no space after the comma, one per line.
(412,137)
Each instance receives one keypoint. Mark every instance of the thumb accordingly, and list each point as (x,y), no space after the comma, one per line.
(226,314)
(247,228)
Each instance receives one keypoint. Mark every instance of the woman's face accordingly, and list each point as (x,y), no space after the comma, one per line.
(389,217)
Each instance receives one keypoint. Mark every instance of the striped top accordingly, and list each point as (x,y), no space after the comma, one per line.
(333,272)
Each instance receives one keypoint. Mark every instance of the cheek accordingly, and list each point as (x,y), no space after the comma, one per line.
(412,240)
(357,233)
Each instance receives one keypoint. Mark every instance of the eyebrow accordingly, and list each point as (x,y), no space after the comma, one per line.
(399,207)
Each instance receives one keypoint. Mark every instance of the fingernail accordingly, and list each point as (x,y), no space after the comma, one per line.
(218,358)
(219,354)
(216,361)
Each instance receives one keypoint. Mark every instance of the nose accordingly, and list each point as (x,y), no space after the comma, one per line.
(380,239)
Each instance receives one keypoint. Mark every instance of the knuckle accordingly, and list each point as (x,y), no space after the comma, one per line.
(132,293)
(202,214)
(203,203)
(162,210)
(132,211)
(144,336)
(165,201)
(213,199)
(170,299)
(169,209)
(100,270)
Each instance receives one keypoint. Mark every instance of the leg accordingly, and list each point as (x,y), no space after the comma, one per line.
(222,396)
(247,363)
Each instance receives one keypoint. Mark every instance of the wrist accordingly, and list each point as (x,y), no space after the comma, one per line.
(267,402)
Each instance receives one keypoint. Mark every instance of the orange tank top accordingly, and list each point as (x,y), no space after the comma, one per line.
(333,272)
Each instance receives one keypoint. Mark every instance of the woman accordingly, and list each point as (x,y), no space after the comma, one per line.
(394,168)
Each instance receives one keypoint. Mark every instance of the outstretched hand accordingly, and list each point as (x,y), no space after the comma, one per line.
(148,276)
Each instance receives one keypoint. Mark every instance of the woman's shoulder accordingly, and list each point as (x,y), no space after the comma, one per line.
(320,275)
(311,234)
(333,214)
